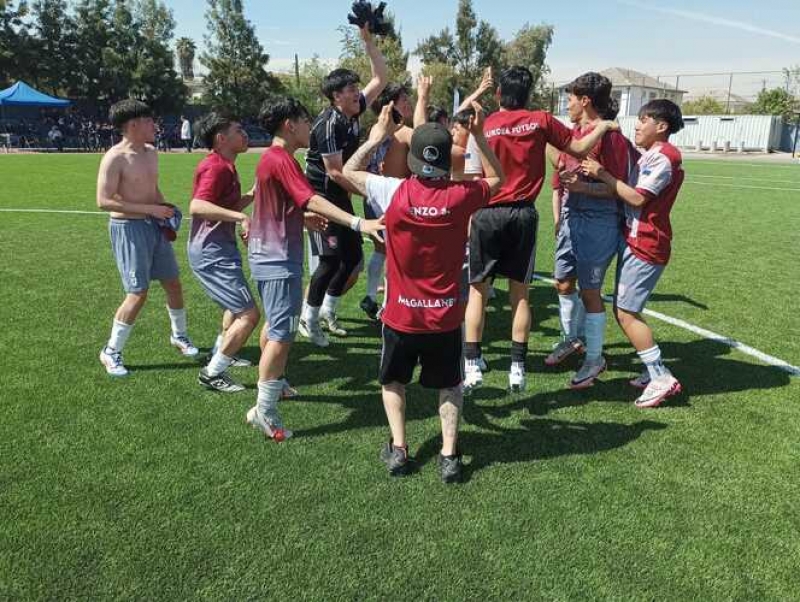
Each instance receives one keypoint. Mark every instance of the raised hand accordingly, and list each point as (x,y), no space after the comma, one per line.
(476,121)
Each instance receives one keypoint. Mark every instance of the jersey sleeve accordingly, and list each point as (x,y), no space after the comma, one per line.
(380,191)
(211,183)
(478,194)
(615,155)
(331,136)
(655,174)
(556,132)
(294,183)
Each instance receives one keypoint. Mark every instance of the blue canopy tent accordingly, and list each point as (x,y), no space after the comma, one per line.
(22,95)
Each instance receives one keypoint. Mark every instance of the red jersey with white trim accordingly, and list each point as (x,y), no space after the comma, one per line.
(426,231)
(658,178)
(519,138)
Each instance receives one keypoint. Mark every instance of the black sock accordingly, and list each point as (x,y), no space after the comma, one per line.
(472,351)
(519,351)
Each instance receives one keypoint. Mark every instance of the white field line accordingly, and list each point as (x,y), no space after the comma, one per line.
(69,211)
(745,179)
(742,186)
(712,336)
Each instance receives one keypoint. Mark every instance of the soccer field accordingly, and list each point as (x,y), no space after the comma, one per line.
(150,488)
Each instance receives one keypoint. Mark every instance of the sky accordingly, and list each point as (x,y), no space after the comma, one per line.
(660,39)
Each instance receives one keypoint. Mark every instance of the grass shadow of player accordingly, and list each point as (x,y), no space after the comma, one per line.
(673,298)
(704,368)
(539,439)
(187,365)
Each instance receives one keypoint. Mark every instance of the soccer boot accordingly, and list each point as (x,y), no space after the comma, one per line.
(330,321)
(658,390)
(370,307)
(184,345)
(473,376)
(641,381)
(516,378)
(562,350)
(112,362)
(588,373)
(313,332)
(222,383)
(272,429)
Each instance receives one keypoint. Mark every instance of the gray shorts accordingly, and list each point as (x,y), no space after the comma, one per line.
(636,279)
(282,300)
(585,248)
(142,253)
(225,283)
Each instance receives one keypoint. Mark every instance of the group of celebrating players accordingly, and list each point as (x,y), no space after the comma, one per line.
(449,204)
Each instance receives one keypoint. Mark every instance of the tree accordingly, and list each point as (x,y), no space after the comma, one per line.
(475,46)
(529,48)
(237,79)
(55,44)
(305,85)
(185,47)
(705,105)
(17,47)
(354,56)
(156,21)
(89,75)
(776,101)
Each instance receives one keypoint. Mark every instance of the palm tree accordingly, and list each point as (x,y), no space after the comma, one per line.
(186,48)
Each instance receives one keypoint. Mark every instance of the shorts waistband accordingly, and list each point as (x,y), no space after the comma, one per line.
(128,220)
(521,204)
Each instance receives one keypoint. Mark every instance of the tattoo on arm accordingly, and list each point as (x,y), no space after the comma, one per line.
(355,170)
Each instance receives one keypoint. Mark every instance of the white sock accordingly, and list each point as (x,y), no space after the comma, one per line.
(269,392)
(579,319)
(310,314)
(595,333)
(218,364)
(217,344)
(329,304)
(177,318)
(375,274)
(652,361)
(119,335)
(567,305)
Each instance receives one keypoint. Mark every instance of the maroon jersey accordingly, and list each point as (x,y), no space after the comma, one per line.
(518,138)
(426,231)
(215,181)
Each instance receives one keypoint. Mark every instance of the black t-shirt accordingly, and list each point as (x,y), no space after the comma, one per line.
(331,134)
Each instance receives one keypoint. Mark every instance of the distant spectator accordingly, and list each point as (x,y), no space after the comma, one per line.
(56,138)
(186,133)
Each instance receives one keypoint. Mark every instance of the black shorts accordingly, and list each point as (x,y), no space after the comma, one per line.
(502,242)
(336,239)
(439,355)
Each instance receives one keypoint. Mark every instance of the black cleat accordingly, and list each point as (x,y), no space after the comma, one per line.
(450,468)
(222,382)
(396,459)
(370,307)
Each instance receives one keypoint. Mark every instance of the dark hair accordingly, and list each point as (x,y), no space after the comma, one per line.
(390,94)
(436,113)
(211,125)
(278,109)
(515,87)
(666,111)
(124,111)
(463,117)
(337,80)
(598,89)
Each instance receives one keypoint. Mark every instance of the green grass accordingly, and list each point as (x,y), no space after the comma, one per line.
(150,488)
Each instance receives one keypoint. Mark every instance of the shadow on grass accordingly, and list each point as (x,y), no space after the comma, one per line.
(539,440)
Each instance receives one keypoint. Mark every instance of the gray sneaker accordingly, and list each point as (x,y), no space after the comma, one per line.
(588,373)
(450,468)
(395,458)
(562,350)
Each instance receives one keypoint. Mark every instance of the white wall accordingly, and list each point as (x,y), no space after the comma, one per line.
(755,132)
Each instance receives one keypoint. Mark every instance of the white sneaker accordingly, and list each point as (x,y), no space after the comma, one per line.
(313,332)
(658,390)
(112,361)
(288,391)
(588,373)
(271,430)
(184,345)
(332,323)
(473,376)
(516,379)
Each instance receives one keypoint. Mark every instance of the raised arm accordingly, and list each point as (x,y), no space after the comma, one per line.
(356,169)
(487,83)
(424,83)
(581,148)
(380,74)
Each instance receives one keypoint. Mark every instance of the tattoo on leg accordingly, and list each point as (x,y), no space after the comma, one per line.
(450,402)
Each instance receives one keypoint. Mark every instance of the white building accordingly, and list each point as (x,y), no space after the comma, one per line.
(632,90)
